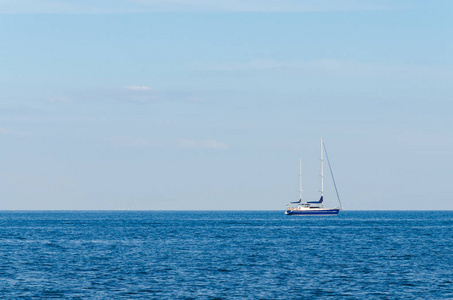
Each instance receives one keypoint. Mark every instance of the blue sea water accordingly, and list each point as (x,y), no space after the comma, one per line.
(226,255)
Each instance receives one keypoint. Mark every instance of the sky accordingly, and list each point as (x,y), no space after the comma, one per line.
(209,105)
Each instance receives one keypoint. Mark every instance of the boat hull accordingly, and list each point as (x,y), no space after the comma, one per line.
(317,212)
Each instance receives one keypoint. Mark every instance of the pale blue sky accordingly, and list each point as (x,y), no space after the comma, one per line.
(152,104)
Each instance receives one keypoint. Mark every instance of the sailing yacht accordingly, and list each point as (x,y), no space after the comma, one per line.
(313,207)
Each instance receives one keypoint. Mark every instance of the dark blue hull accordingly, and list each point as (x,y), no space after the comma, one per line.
(318,212)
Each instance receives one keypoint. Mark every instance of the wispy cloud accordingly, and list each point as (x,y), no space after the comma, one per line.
(9,132)
(332,67)
(4,131)
(138,88)
(202,144)
(140,142)
(143,6)
(261,5)
(133,94)
(48,7)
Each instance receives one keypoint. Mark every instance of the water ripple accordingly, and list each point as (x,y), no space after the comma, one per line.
(220,255)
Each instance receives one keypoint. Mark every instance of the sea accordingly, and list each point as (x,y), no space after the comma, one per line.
(226,255)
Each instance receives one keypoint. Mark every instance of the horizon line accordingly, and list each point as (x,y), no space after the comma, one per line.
(199,210)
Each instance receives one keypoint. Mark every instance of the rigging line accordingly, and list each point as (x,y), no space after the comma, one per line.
(331,173)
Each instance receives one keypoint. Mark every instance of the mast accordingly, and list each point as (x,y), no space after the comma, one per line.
(322,170)
(300,180)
